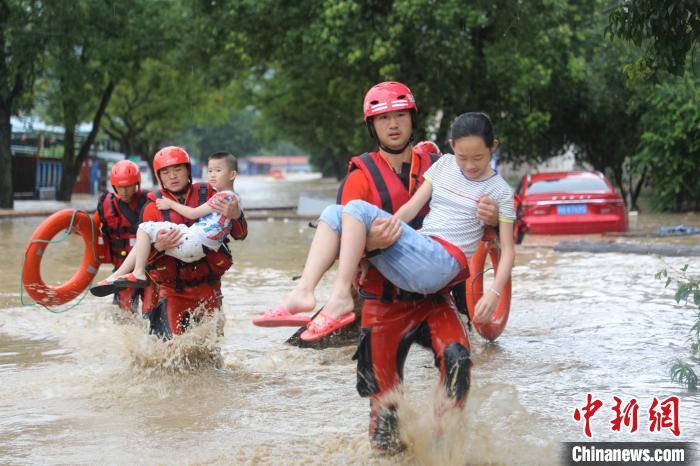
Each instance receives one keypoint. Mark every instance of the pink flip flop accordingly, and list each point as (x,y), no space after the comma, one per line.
(323,325)
(281,317)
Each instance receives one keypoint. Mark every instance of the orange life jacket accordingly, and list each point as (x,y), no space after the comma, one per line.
(388,191)
(120,221)
(173,273)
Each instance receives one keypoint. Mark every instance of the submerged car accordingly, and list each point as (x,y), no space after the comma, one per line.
(571,202)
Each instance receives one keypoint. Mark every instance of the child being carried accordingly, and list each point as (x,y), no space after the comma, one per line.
(209,231)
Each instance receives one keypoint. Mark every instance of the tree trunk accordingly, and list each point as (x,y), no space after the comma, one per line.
(6,195)
(71,165)
(339,168)
(441,136)
(65,189)
(637,190)
(127,146)
(620,183)
(6,101)
(147,151)
(125,136)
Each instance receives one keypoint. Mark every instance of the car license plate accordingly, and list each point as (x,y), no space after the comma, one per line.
(571,209)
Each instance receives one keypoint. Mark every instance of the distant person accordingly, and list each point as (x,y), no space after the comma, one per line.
(424,261)
(119,214)
(94,176)
(209,232)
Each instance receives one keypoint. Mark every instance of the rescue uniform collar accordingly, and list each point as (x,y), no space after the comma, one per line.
(408,159)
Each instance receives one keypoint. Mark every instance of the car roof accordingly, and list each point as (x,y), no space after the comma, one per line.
(530,179)
(563,174)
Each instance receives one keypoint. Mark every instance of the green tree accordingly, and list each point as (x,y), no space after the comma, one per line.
(507,57)
(670,143)
(21,43)
(668,29)
(238,135)
(159,102)
(95,44)
(598,112)
(687,290)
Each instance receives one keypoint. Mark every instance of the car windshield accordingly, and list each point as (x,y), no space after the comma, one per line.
(574,184)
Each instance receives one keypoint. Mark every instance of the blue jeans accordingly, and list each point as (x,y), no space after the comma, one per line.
(414,263)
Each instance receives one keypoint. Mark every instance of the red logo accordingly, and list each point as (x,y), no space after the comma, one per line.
(588,411)
(626,416)
(663,414)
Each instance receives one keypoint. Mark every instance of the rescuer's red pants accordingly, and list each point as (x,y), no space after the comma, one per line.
(388,331)
(175,311)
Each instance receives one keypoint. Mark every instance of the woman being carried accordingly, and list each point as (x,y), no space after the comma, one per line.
(424,261)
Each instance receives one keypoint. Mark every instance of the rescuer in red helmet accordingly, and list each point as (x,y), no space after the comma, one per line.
(119,214)
(392,319)
(186,291)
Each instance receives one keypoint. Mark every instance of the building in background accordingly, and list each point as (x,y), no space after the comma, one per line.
(268,164)
(37,165)
(279,167)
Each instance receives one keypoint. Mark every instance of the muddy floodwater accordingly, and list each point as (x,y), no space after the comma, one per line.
(90,386)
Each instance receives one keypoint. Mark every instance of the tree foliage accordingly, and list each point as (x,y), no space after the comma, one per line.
(22,42)
(505,57)
(149,108)
(668,29)
(599,115)
(250,73)
(688,292)
(94,45)
(239,135)
(670,143)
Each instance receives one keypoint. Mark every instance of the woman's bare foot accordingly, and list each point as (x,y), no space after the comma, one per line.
(339,305)
(299,300)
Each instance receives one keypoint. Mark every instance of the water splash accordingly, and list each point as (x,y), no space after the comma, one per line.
(494,428)
(199,347)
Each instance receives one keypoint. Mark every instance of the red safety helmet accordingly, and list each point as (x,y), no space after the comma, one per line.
(125,173)
(427,148)
(169,156)
(388,96)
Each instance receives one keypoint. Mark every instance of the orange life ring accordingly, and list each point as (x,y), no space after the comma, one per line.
(475,290)
(48,295)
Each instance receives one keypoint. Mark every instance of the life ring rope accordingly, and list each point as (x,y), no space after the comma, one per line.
(66,234)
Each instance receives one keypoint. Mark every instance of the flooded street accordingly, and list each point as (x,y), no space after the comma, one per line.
(86,386)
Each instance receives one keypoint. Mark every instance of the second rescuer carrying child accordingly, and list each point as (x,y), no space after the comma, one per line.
(210,230)
(424,261)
